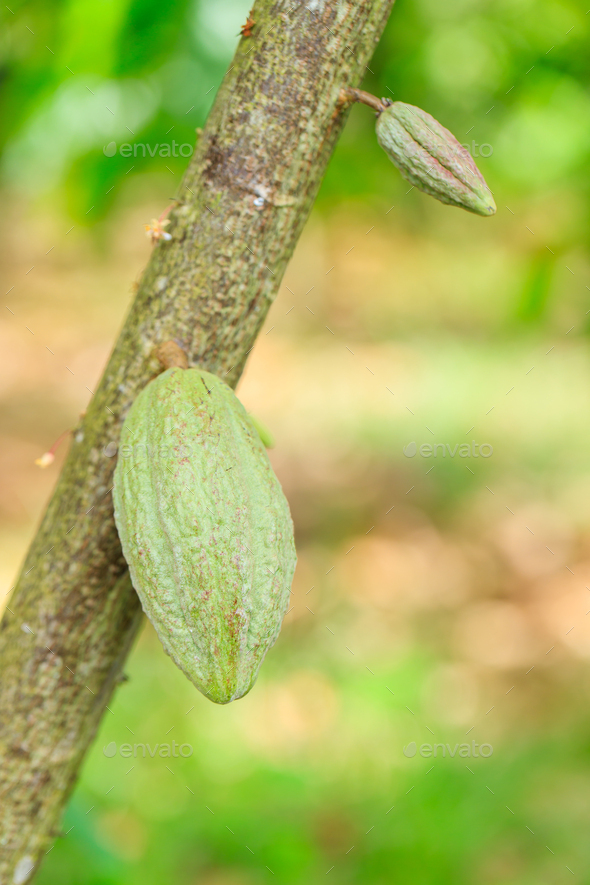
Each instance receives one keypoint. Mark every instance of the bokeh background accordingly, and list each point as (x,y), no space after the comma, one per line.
(436,599)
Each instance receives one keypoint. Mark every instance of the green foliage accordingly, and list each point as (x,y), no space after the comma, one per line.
(502,75)
(537,287)
(98,71)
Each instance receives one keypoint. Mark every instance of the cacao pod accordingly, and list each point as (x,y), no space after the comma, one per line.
(205,529)
(431,158)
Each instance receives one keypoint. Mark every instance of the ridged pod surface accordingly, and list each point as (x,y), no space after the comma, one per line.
(205,529)
(431,158)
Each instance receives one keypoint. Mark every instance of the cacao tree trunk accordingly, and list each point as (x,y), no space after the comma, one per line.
(245,197)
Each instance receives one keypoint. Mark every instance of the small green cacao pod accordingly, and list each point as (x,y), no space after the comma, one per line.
(205,529)
(431,158)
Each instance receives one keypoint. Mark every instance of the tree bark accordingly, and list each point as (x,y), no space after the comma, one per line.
(249,188)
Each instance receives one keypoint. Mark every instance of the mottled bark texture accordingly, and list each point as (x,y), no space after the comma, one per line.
(245,197)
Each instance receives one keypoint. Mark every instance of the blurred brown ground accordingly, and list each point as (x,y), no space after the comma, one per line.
(447,567)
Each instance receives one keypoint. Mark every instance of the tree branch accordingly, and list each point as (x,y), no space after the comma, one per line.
(245,197)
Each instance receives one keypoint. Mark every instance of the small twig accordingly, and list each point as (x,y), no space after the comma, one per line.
(348,95)
(49,457)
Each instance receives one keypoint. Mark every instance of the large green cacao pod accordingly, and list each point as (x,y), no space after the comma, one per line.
(205,529)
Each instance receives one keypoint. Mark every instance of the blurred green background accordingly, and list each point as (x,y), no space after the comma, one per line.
(436,599)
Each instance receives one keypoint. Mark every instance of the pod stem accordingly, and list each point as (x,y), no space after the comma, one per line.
(347,95)
(170,354)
